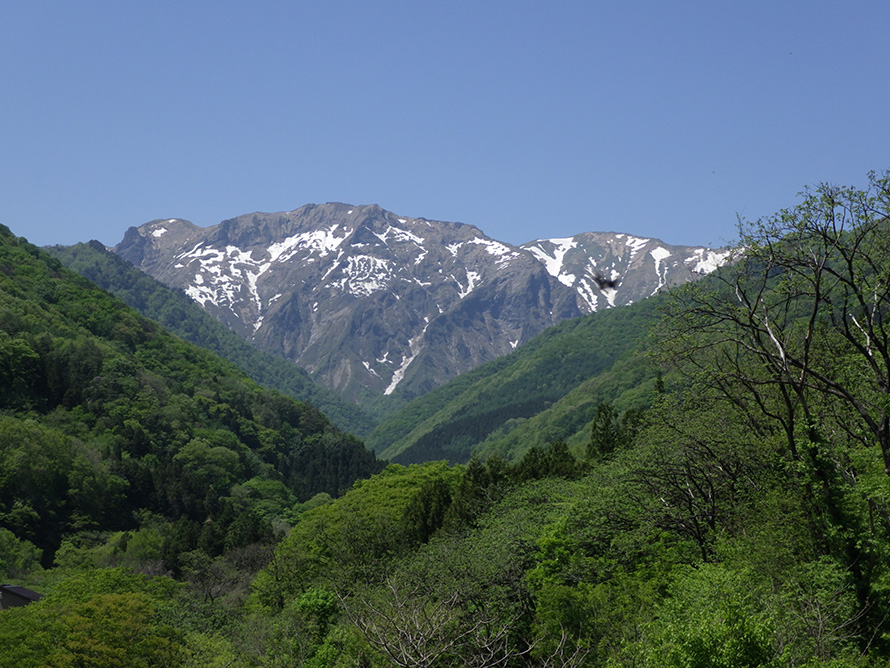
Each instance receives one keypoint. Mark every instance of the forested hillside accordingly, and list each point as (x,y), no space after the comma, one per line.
(548,389)
(182,316)
(116,435)
(742,520)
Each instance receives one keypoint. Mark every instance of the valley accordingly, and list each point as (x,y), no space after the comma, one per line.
(696,477)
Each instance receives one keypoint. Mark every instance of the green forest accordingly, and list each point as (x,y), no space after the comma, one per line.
(726,505)
(121,441)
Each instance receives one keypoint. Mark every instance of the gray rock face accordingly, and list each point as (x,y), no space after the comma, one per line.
(372,303)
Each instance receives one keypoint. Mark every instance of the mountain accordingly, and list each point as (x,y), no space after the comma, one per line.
(723,525)
(371,303)
(109,423)
(185,318)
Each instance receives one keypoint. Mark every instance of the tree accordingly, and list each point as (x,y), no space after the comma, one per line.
(104,617)
(794,334)
(605,431)
(115,630)
(553,461)
(801,316)
(18,558)
(412,628)
(698,472)
(422,622)
(426,511)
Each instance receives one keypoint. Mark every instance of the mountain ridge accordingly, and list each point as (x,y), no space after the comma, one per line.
(377,305)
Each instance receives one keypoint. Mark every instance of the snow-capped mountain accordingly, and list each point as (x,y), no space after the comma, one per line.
(372,303)
(590,263)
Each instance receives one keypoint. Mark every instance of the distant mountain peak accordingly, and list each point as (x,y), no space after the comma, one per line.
(371,303)
(639,266)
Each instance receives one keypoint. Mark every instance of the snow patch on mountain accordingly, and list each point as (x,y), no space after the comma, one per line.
(634,244)
(707,260)
(660,254)
(588,293)
(414,348)
(503,252)
(200,293)
(323,241)
(364,275)
(554,260)
(472,281)
(402,235)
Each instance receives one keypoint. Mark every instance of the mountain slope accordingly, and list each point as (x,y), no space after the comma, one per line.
(373,304)
(639,267)
(182,316)
(110,423)
(598,356)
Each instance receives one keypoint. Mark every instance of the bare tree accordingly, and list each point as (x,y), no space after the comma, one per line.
(416,627)
(565,654)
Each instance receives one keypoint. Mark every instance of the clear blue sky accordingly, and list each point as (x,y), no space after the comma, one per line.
(527,119)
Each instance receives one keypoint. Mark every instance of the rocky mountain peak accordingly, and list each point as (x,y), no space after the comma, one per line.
(374,303)
(613,269)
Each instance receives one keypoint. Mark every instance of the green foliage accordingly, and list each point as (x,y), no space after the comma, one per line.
(426,512)
(18,558)
(605,432)
(100,618)
(108,420)
(461,598)
(115,630)
(554,461)
(481,485)
(610,431)
(28,635)
(710,621)
(629,385)
(353,538)
(320,608)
